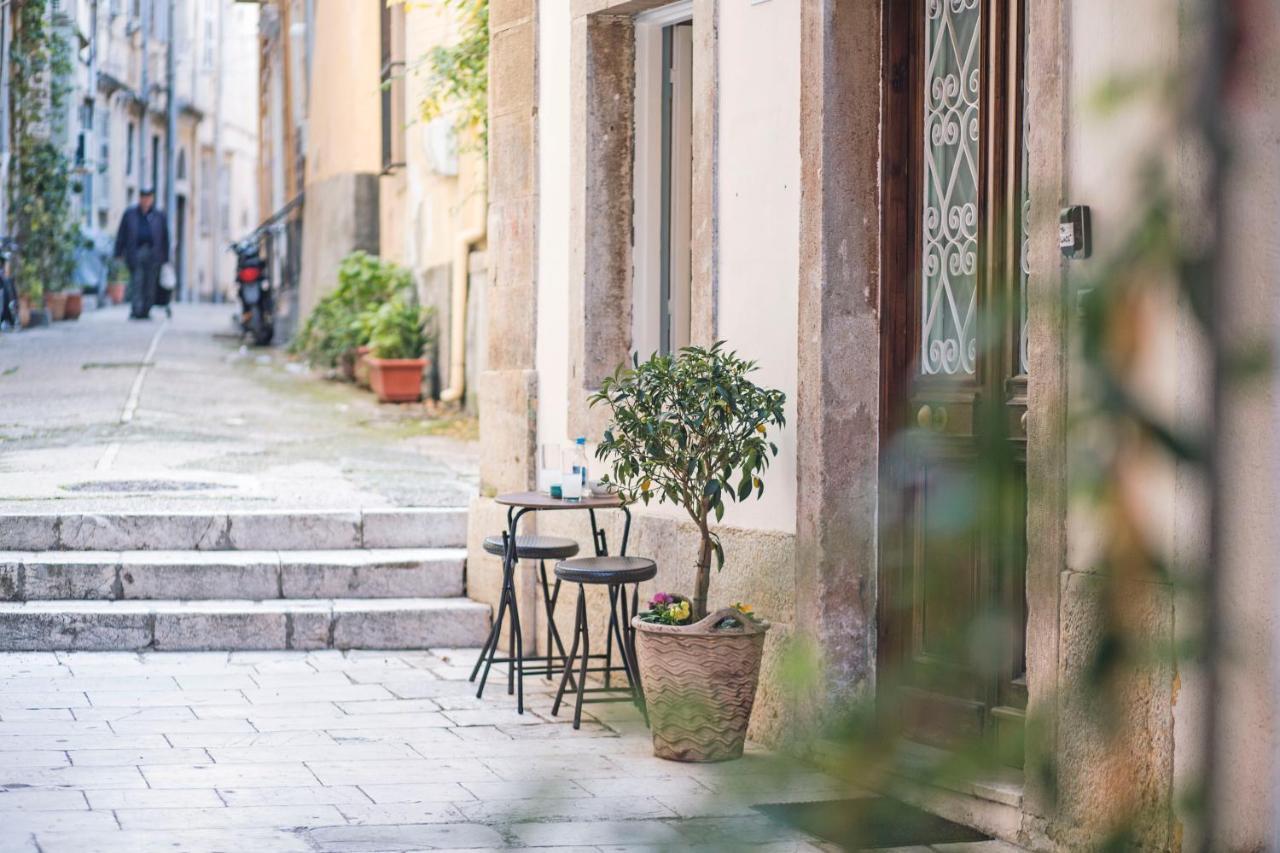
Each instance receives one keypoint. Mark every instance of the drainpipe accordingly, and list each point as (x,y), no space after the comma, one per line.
(462,244)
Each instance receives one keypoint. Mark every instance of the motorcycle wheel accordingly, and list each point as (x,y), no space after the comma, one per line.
(261,327)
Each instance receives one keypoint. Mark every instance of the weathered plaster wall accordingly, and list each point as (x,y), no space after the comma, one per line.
(341,182)
(1155,757)
(348,33)
(759,221)
(342,217)
(1250,686)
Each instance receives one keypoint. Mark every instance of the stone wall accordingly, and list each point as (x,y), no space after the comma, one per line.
(341,217)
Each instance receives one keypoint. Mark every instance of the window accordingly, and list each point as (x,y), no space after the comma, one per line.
(155,162)
(207,192)
(209,44)
(182,164)
(129,155)
(663,211)
(391,73)
(104,157)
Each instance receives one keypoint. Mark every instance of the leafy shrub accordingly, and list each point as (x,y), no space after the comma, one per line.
(341,320)
(400,330)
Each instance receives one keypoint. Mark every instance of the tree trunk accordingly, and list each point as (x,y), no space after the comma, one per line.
(702,581)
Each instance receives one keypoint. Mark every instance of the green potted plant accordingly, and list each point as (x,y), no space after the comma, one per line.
(692,429)
(397,346)
(331,333)
(118,282)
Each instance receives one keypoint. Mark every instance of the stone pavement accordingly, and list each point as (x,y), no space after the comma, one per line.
(103,413)
(355,751)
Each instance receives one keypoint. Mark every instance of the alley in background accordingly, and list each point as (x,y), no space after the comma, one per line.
(106,414)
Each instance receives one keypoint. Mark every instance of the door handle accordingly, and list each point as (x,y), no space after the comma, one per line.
(932,419)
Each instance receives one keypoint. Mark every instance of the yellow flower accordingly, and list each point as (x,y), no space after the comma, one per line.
(742,608)
(681,611)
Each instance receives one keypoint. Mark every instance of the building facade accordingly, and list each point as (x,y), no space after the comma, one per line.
(847,192)
(120,135)
(368,172)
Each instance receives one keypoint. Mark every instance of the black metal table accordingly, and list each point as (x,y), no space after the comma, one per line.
(518,505)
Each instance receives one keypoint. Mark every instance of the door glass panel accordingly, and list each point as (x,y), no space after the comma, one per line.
(952,136)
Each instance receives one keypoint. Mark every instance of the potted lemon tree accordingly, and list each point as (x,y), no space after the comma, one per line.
(692,429)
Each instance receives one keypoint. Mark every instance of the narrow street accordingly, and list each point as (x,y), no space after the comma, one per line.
(105,413)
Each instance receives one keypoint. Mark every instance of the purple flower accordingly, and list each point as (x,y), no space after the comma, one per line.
(661,598)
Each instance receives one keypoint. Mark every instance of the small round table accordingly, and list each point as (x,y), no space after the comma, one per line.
(518,504)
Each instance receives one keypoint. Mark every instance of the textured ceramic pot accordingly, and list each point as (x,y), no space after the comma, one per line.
(700,685)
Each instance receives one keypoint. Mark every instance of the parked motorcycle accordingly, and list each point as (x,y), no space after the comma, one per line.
(257,304)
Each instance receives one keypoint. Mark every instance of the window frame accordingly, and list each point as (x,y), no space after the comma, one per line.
(654,326)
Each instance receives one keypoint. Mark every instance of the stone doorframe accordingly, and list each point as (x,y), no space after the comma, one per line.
(838,398)
(601,182)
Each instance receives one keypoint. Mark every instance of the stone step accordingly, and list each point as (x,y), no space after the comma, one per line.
(341,623)
(261,530)
(203,575)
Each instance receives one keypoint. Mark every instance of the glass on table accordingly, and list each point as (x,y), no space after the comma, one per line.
(550,460)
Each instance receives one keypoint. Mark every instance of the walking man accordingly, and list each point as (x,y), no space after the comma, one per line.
(143,243)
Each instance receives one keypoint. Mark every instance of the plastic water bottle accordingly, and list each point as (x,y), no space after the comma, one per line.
(574,483)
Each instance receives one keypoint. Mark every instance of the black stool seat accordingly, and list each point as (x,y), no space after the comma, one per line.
(534,547)
(607,570)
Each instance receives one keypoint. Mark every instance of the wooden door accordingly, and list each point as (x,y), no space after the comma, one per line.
(952,613)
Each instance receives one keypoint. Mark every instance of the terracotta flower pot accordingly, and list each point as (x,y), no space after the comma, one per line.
(115,292)
(24,311)
(699,685)
(75,304)
(396,380)
(56,303)
(361,368)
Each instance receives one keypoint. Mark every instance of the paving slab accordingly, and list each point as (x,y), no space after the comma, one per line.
(323,760)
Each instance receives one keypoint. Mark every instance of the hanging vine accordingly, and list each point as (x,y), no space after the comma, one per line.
(40,181)
(457,84)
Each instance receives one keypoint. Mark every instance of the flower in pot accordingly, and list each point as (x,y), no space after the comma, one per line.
(693,430)
(396,361)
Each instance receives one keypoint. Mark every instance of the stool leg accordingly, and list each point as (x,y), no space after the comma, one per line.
(609,632)
(511,651)
(497,632)
(579,619)
(586,656)
(484,650)
(517,654)
(628,646)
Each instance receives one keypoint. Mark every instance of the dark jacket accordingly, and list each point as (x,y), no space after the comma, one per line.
(129,238)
